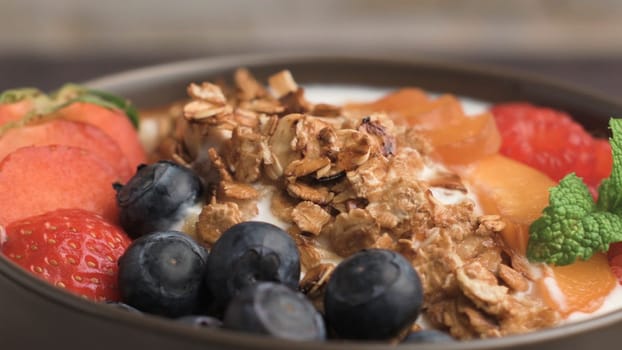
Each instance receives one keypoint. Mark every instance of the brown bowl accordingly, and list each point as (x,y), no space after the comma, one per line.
(35,315)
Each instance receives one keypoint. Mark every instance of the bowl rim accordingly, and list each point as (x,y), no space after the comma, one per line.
(236,339)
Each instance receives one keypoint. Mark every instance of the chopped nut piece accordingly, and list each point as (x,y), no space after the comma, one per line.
(282,83)
(386,141)
(310,217)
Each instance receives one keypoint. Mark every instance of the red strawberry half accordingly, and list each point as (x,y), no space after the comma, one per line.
(552,142)
(72,249)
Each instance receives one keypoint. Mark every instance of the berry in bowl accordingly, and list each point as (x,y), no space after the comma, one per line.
(337,213)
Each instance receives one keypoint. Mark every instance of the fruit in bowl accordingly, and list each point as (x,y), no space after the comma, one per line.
(327,222)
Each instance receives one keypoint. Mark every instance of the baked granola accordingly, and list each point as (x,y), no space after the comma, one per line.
(341,181)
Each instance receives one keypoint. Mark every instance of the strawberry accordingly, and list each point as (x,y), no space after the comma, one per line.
(112,122)
(38,179)
(116,117)
(72,249)
(10,112)
(68,133)
(617,271)
(551,141)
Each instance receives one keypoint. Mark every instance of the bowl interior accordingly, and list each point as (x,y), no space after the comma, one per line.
(159,85)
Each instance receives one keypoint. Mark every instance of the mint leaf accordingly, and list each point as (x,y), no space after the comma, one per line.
(572,226)
(610,190)
(558,236)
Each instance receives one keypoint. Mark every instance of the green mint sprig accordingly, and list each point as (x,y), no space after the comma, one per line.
(573,226)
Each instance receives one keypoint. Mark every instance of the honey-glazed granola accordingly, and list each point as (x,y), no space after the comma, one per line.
(341,180)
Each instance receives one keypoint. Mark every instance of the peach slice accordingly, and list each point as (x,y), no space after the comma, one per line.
(466,141)
(511,189)
(581,286)
(413,107)
(395,102)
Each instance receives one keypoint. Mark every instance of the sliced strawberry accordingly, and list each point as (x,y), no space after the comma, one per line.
(70,248)
(551,141)
(69,133)
(544,139)
(114,123)
(617,271)
(615,249)
(38,179)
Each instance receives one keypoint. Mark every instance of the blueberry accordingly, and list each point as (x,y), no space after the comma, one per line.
(157,197)
(374,294)
(163,273)
(247,253)
(274,309)
(200,321)
(428,336)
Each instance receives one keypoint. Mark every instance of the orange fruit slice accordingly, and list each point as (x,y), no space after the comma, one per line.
(511,189)
(413,107)
(467,140)
(581,286)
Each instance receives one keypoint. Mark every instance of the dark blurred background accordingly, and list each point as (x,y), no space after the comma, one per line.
(45,43)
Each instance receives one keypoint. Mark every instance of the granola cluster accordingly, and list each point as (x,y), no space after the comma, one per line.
(342,181)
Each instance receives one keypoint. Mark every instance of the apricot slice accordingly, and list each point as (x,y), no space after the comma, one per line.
(465,141)
(581,286)
(395,102)
(413,107)
(511,189)
(438,114)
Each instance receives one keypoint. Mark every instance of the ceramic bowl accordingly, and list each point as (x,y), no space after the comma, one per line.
(34,315)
